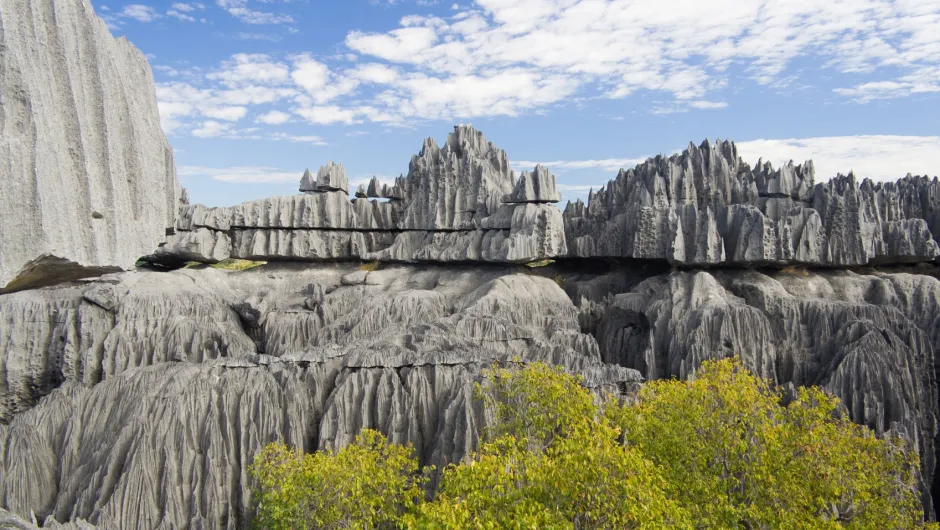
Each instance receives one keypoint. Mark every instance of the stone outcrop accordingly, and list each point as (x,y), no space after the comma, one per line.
(706,207)
(537,187)
(331,177)
(449,208)
(182,376)
(869,339)
(154,390)
(88,180)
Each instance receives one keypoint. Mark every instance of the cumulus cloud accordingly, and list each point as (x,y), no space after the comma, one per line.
(275,117)
(512,57)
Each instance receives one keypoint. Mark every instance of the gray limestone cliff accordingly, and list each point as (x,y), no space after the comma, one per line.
(706,207)
(88,181)
(143,400)
(460,202)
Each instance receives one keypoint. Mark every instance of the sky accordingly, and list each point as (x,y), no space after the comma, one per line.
(252,92)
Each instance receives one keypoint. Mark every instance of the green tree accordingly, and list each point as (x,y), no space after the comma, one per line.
(367,484)
(549,460)
(735,457)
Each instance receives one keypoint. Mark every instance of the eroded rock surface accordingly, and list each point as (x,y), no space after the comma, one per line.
(869,339)
(84,159)
(449,208)
(706,207)
(142,398)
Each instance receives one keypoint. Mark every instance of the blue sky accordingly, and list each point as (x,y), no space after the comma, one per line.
(251,92)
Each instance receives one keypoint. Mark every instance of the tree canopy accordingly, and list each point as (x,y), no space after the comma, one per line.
(722,450)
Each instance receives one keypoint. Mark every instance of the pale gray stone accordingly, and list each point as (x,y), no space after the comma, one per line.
(85,161)
(156,429)
(538,187)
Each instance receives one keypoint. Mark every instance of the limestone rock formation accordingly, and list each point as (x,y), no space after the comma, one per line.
(869,339)
(162,386)
(538,186)
(706,207)
(448,208)
(88,180)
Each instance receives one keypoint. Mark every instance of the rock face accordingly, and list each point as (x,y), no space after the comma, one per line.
(331,177)
(449,208)
(537,187)
(142,399)
(84,159)
(869,339)
(706,207)
(153,391)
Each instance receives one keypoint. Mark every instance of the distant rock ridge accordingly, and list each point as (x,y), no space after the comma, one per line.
(706,207)
(462,202)
(449,208)
(88,183)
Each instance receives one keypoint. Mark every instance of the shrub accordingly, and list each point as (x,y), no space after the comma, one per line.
(367,484)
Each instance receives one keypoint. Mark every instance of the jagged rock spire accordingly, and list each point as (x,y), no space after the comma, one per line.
(331,177)
(535,187)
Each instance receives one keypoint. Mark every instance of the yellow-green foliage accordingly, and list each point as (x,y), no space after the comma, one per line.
(237,264)
(540,263)
(717,452)
(368,484)
(734,457)
(549,461)
(370,266)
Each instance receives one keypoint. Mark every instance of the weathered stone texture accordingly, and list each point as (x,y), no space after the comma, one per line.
(88,177)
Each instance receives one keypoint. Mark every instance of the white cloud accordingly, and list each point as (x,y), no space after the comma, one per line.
(239,9)
(875,157)
(167,70)
(242,175)
(226,113)
(255,69)
(375,73)
(327,114)
(188,8)
(310,74)
(181,16)
(708,104)
(211,128)
(674,47)
(139,12)
(275,117)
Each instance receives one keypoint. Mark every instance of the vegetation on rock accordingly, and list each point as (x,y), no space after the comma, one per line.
(722,450)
